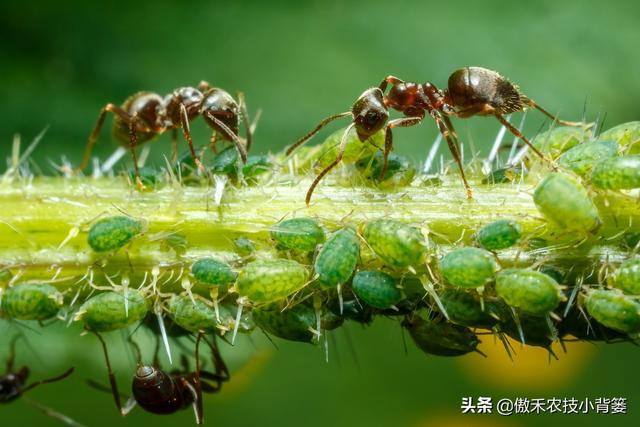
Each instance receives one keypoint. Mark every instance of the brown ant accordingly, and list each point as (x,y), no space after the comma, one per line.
(472,91)
(145,115)
(159,392)
(13,385)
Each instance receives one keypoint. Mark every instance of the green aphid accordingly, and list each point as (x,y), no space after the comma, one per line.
(294,324)
(213,272)
(617,173)
(582,158)
(354,150)
(31,301)
(441,338)
(560,139)
(531,291)
(504,175)
(400,171)
(468,267)
(337,259)
(226,161)
(244,246)
(112,233)
(500,234)
(627,136)
(627,277)
(302,234)
(614,310)
(397,244)
(175,241)
(151,177)
(465,308)
(200,316)
(112,310)
(554,273)
(566,203)
(376,288)
(266,281)
(228,312)
(255,166)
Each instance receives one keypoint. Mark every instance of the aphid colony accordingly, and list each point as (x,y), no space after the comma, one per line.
(504,280)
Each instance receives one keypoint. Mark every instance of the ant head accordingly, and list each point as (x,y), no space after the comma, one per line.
(190,97)
(221,106)
(9,388)
(369,113)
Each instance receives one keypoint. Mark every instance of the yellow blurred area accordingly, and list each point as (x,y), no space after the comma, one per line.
(532,368)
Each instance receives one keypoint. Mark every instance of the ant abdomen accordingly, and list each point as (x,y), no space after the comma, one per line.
(472,88)
(156,392)
(147,107)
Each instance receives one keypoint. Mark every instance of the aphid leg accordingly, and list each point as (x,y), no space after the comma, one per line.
(222,128)
(388,137)
(524,139)
(186,131)
(393,80)
(338,159)
(221,371)
(533,104)
(242,104)
(198,398)
(448,132)
(174,145)
(93,138)
(48,380)
(112,378)
(315,130)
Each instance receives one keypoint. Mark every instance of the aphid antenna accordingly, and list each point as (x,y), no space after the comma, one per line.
(16,159)
(73,232)
(516,319)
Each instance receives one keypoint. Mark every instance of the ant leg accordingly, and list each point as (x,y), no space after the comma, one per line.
(343,145)
(245,118)
(184,121)
(315,130)
(93,138)
(393,80)
(133,143)
(446,129)
(48,380)
(524,139)
(388,137)
(224,129)
(112,377)
(174,145)
(222,372)
(213,141)
(533,104)
(136,349)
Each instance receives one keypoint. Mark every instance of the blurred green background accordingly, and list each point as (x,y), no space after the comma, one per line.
(300,61)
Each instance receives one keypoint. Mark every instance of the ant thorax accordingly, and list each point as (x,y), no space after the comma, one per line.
(189,97)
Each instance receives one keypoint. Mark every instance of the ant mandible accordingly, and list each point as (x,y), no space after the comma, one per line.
(159,392)
(471,91)
(145,115)
(13,385)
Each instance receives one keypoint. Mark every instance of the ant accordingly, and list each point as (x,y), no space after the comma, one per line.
(159,392)
(145,115)
(13,385)
(472,91)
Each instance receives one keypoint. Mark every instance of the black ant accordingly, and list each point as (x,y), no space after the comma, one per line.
(13,384)
(145,115)
(163,393)
(472,91)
